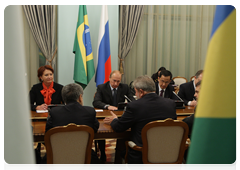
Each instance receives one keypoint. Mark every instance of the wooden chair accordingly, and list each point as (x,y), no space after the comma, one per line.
(69,144)
(192,78)
(179,80)
(164,142)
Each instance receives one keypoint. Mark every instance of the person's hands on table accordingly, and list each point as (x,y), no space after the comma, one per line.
(109,119)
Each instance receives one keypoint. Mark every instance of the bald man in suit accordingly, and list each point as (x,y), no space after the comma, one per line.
(104,96)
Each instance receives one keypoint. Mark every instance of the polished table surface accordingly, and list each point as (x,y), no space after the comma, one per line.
(104,113)
(104,132)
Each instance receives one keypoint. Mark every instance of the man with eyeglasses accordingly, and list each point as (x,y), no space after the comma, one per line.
(187,90)
(163,89)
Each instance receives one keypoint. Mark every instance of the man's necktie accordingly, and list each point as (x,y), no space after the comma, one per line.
(161,93)
(114,97)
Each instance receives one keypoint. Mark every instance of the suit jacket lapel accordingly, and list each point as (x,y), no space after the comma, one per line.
(192,89)
(166,92)
(109,91)
(157,88)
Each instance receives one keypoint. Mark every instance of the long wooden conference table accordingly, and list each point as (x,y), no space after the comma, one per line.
(104,132)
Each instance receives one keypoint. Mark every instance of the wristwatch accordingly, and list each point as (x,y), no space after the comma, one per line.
(106,106)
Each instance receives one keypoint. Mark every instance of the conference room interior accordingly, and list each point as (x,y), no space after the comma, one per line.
(143,58)
(104,132)
(177,40)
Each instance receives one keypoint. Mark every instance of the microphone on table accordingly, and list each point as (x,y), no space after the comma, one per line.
(127,98)
(177,96)
(179,104)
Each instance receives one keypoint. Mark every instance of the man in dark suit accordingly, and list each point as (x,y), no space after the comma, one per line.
(149,107)
(163,87)
(187,90)
(73,112)
(104,99)
(190,119)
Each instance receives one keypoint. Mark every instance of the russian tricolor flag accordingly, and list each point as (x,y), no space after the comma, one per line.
(103,52)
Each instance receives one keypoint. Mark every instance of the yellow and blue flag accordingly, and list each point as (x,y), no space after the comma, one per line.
(213,138)
(83,65)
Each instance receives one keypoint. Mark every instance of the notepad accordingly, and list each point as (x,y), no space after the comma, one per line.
(41,111)
(99,110)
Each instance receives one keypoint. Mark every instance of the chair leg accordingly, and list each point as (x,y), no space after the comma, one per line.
(126,144)
(96,146)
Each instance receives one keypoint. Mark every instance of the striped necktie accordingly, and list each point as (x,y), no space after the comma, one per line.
(114,97)
(161,94)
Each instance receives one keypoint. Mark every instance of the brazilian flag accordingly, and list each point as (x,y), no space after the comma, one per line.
(83,65)
(213,138)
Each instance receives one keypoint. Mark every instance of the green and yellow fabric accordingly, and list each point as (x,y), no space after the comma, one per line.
(83,65)
(213,138)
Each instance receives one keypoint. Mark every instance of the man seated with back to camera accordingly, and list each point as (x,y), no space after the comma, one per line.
(163,87)
(104,99)
(73,112)
(187,90)
(149,107)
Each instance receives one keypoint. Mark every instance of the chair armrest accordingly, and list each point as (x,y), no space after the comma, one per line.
(132,145)
(187,143)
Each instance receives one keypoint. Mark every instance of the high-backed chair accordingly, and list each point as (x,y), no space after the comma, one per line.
(179,80)
(69,144)
(164,142)
(192,78)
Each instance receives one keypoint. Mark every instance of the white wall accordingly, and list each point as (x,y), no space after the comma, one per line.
(67,20)
(18,139)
